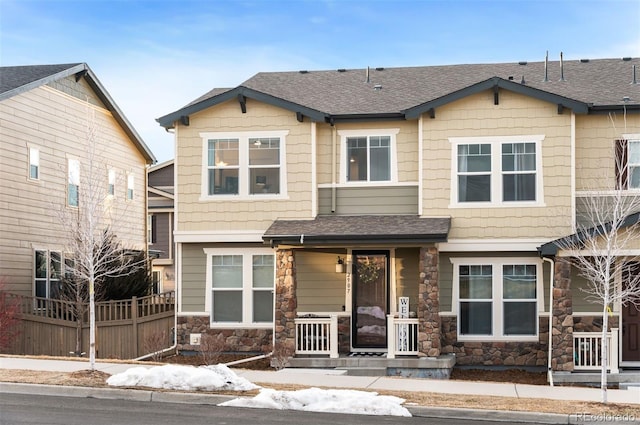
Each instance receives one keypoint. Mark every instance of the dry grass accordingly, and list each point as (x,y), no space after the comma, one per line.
(89,378)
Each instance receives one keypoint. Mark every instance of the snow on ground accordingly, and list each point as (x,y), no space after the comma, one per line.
(220,377)
(178,377)
(317,400)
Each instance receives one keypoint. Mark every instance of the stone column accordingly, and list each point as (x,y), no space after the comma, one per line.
(562,317)
(286,302)
(428,303)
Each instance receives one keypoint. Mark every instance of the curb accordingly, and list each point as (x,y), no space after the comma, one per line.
(212,399)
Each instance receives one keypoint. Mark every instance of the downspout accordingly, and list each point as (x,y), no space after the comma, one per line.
(550,343)
(333,168)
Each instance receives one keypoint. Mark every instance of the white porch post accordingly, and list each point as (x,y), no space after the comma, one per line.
(391,337)
(614,351)
(333,335)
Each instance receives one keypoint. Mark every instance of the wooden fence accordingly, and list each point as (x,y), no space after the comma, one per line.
(125,329)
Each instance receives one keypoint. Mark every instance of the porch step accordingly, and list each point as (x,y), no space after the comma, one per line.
(364,371)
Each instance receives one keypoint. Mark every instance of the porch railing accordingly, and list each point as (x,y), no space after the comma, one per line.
(317,335)
(402,337)
(587,349)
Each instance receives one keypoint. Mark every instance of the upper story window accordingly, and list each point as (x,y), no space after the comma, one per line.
(369,156)
(34,163)
(244,164)
(73,182)
(111,182)
(496,171)
(497,299)
(627,162)
(130,186)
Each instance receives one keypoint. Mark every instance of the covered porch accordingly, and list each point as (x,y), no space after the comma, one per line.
(360,293)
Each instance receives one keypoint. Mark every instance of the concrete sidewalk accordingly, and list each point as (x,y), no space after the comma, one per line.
(330,379)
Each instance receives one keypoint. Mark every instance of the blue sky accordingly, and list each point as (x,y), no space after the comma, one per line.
(156,56)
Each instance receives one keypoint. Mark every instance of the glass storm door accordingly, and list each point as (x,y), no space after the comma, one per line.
(370,299)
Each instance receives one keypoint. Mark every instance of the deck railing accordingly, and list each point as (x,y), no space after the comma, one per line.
(402,337)
(587,349)
(317,335)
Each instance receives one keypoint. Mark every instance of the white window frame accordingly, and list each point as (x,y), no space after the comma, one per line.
(496,172)
(111,182)
(247,287)
(634,139)
(73,165)
(243,165)
(49,278)
(393,156)
(34,161)
(497,299)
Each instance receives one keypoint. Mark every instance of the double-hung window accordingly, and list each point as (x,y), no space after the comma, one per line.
(47,273)
(34,163)
(497,299)
(368,156)
(493,171)
(240,286)
(244,164)
(130,186)
(627,162)
(73,182)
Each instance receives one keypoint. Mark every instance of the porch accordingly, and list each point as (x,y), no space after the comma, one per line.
(317,346)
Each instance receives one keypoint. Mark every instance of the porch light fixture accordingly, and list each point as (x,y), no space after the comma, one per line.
(340,265)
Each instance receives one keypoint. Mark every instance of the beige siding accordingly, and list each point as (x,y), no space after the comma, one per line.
(320,288)
(370,201)
(406,148)
(197,215)
(515,115)
(193,279)
(407,275)
(579,286)
(595,148)
(56,124)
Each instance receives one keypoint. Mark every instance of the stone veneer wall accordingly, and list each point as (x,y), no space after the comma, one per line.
(286,302)
(495,353)
(236,340)
(428,303)
(562,355)
(344,334)
(594,323)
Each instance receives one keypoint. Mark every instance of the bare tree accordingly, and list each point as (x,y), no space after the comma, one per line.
(604,248)
(89,225)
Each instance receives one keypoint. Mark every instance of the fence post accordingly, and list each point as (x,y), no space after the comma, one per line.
(134,326)
(391,337)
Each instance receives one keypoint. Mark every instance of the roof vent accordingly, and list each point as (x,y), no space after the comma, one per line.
(304,71)
(377,87)
(522,81)
(626,59)
(510,77)
(561,67)
(379,68)
(546,67)
(626,99)
(366,76)
(584,60)
(522,63)
(342,70)
(634,80)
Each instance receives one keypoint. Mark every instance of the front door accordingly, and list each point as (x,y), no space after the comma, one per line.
(370,300)
(630,321)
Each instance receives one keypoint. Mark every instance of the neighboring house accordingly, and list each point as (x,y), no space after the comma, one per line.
(160,225)
(46,114)
(360,190)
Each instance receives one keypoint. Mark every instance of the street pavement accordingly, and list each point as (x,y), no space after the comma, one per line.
(330,379)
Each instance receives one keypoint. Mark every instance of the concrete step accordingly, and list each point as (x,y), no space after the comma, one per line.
(364,371)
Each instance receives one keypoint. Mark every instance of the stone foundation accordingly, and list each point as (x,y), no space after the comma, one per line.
(495,353)
(344,334)
(428,304)
(593,323)
(235,340)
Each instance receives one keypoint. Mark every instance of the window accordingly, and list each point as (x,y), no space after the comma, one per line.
(151,228)
(73,187)
(47,273)
(111,182)
(497,299)
(156,282)
(246,164)
(496,170)
(34,163)
(369,156)
(241,285)
(627,163)
(130,181)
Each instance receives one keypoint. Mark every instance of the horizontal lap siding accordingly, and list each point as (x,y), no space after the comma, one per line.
(370,201)
(194,263)
(407,275)
(320,288)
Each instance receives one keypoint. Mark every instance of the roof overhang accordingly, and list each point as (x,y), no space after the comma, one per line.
(358,230)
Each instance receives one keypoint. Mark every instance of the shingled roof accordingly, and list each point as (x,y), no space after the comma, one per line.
(586,86)
(15,80)
(331,230)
